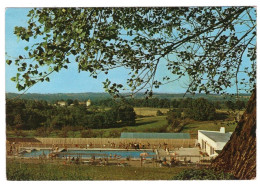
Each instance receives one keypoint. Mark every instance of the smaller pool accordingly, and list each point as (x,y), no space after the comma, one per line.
(37,153)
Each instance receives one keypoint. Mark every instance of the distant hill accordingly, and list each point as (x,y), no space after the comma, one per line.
(98,96)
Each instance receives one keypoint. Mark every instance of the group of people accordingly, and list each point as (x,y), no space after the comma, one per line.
(164,162)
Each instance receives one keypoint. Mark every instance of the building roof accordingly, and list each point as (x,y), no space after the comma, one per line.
(155,135)
(217,136)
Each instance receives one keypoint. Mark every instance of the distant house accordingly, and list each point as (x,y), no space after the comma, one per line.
(61,103)
(88,103)
(212,142)
(82,103)
(141,135)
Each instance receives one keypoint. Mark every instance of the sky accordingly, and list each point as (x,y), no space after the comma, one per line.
(70,81)
(66,81)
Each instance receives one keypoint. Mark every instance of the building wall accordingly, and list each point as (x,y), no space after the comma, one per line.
(61,103)
(208,145)
(88,103)
(220,145)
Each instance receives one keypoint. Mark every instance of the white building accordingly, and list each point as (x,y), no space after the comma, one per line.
(88,103)
(212,142)
(61,103)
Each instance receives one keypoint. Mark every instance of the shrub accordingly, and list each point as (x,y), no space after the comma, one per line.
(203,174)
(159,113)
(43,132)
(64,131)
(114,133)
(19,133)
(87,133)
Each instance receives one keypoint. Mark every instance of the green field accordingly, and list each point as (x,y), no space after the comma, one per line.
(148,111)
(52,171)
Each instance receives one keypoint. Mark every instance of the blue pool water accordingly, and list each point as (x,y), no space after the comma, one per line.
(90,153)
(106,153)
(37,153)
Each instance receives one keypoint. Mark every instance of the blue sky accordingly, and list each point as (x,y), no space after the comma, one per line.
(69,81)
(66,81)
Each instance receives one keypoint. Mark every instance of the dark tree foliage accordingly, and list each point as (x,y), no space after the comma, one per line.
(201,109)
(173,118)
(31,115)
(124,114)
(69,102)
(203,174)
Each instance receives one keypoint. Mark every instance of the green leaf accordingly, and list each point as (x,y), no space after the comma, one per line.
(13,79)
(8,62)
(26,48)
(47,79)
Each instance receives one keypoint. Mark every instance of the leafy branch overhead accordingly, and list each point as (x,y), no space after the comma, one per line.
(212,45)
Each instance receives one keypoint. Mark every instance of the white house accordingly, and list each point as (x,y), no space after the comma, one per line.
(88,103)
(212,142)
(61,103)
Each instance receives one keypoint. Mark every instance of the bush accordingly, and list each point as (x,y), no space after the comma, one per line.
(19,133)
(64,131)
(43,132)
(114,133)
(203,174)
(87,133)
(159,113)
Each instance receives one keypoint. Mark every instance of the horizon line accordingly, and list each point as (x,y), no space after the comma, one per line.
(120,93)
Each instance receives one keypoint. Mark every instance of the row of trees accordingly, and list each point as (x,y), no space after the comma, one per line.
(172,103)
(29,115)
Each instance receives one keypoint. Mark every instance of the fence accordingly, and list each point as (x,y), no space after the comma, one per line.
(108,143)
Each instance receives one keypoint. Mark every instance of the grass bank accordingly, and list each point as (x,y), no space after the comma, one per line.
(51,171)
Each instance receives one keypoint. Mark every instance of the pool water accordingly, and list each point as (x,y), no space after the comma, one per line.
(90,153)
(106,153)
(37,153)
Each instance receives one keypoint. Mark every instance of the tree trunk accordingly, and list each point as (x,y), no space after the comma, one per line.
(239,154)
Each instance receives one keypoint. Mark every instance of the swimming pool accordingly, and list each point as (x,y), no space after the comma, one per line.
(37,153)
(106,153)
(91,153)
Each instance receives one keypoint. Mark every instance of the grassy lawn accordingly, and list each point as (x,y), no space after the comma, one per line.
(194,126)
(145,124)
(51,171)
(149,111)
